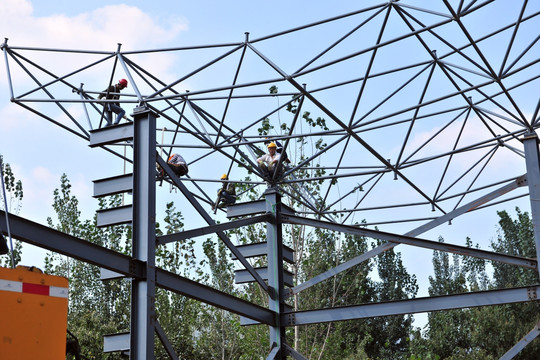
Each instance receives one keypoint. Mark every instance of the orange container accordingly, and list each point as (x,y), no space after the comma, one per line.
(33,314)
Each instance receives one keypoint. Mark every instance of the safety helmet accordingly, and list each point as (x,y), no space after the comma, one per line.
(123,82)
(272,145)
(224,177)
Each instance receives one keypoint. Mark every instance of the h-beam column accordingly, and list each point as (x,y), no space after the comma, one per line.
(143,291)
(275,272)
(532,159)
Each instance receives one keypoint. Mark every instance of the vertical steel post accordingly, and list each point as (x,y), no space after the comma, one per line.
(275,269)
(144,239)
(532,159)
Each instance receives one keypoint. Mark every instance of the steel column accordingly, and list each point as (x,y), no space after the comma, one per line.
(143,291)
(275,269)
(532,159)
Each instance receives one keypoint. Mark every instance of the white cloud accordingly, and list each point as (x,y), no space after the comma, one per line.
(101,29)
(13,117)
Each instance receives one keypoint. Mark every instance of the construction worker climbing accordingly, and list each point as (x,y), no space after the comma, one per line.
(113,93)
(226,195)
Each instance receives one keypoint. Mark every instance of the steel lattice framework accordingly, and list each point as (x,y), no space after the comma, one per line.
(431,116)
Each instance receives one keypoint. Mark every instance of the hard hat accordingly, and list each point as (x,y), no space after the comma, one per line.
(224,177)
(272,145)
(123,82)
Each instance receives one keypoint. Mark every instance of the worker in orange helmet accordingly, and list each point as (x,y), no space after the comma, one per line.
(178,164)
(113,93)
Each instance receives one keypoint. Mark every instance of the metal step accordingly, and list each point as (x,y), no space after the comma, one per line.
(243,276)
(116,342)
(261,249)
(113,185)
(106,274)
(115,216)
(111,134)
(253,208)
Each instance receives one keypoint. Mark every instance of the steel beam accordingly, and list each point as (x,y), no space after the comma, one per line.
(165,341)
(532,160)
(143,291)
(210,221)
(411,306)
(295,354)
(402,239)
(252,208)
(531,335)
(111,134)
(275,273)
(518,182)
(211,296)
(243,276)
(187,234)
(115,216)
(116,342)
(261,249)
(58,242)
(113,185)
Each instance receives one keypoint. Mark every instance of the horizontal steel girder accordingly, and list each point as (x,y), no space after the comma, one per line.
(411,306)
(210,229)
(409,240)
(56,241)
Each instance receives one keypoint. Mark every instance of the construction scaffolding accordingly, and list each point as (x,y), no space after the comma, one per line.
(409,127)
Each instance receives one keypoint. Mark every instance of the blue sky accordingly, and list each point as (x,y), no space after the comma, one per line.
(40,151)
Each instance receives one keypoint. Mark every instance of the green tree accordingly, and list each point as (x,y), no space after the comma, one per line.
(98,308)
(14,195)
(507,324)
(449,332)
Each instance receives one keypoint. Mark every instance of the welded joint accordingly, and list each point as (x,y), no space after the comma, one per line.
(531,293)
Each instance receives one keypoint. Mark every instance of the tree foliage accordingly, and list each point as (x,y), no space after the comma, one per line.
(13,189)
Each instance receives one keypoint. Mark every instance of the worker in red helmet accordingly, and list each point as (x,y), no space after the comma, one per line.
(113,93)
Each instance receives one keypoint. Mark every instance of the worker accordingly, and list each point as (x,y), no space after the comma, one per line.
(113,93)
(178,164)
(268,162)
(279,150)
(226,195)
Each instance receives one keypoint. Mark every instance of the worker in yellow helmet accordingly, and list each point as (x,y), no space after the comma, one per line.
(268,162)
(226,195)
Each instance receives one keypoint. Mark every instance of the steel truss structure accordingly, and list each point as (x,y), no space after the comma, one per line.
(430,117)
